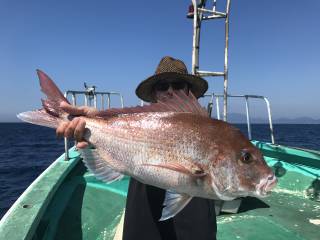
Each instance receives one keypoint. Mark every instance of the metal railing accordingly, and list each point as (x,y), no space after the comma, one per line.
(91,100)
(215,98)
(201,13)
(92,97)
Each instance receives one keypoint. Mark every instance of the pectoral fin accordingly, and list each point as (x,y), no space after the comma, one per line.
(173,204)
(98,166)
(194,171)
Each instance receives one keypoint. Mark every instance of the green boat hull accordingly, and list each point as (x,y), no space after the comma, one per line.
(67,202)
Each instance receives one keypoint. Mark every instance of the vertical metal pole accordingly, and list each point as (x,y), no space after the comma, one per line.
(66,149)
(225,82)
(108,103)
(196,33)
(270,120)
(218,107)
(248,118)
(121,99)
(214,5)
(66,144)
(85,99)
(95,100)
(210,105)
(74,103)
(102,101)
(74,100)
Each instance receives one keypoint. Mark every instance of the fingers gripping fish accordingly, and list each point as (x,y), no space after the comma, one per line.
(172,144)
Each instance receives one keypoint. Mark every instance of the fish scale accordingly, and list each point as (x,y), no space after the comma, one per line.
(125,150)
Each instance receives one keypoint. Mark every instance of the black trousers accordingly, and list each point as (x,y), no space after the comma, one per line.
(197,221)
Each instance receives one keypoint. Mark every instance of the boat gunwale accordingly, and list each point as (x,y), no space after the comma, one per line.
(17,212)
(61,168)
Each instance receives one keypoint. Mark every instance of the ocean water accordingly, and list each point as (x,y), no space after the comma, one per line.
(27,150)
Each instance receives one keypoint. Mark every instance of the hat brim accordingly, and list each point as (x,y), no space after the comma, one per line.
(198,86)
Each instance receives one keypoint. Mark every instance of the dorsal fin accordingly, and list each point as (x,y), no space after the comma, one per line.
(179,101)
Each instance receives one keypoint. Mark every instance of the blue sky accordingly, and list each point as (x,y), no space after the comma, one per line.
(274,49)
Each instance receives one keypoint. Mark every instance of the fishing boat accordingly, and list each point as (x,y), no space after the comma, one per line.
(68,202)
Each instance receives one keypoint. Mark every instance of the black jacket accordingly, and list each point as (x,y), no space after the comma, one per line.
(197,221)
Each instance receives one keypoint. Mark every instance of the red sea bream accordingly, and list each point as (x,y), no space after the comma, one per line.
(172,144)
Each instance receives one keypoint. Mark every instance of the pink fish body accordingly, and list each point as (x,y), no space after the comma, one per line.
(173,145)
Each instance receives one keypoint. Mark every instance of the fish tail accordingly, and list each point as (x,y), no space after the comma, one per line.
(51,114)
(40,117)
(54,96)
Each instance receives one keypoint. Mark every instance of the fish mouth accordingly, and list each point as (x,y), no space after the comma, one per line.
(266,185)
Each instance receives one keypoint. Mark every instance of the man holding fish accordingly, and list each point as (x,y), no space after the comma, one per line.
(170,144)
(145,202)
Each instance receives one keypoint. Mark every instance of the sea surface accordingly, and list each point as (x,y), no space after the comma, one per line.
(27,150)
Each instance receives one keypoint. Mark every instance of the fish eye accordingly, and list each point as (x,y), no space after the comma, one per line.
(246,157)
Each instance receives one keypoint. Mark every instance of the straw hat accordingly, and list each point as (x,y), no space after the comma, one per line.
(171,70)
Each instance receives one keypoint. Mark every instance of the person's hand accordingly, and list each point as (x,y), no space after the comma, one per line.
(76,127)
(78,111)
